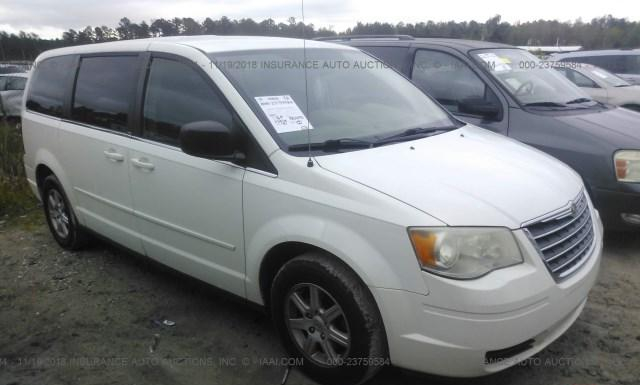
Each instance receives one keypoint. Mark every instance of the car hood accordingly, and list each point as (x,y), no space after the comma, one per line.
(617,126)
(465,177)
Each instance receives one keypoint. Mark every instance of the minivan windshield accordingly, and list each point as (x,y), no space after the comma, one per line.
(353,99)
(530,80)
(605,76)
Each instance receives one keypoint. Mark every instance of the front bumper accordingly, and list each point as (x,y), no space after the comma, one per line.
(451,330)
(612,204)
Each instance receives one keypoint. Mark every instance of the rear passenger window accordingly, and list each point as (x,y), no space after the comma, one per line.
(105,91)
(16,84)
(48,85)
(449,80)
(176,95)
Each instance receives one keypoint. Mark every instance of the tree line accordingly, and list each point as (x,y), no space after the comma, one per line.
(603,32)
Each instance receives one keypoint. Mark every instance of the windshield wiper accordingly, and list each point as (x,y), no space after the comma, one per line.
(412,133)
(579,100)
(332,145)
(545,104)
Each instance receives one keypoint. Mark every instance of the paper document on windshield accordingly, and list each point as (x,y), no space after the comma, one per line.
(283,113)
(494,62)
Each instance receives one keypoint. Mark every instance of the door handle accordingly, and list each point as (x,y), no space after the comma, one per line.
(142,163)
(111,154)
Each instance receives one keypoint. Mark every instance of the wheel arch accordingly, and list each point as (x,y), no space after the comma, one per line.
(47,164)
(282,253)
(275,243)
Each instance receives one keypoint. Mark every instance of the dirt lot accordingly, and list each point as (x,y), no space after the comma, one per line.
(95,317)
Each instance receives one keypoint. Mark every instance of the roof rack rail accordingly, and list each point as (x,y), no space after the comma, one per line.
(363,37)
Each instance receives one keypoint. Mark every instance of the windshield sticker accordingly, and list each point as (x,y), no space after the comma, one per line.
(495,63)
(283,113)
(599,74)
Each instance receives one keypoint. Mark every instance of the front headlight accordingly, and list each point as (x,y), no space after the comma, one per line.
(464,253)
(627,166)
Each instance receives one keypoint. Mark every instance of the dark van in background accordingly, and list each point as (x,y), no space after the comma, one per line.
(508,90)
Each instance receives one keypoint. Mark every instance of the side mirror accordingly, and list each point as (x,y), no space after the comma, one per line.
(478,106)
(210,140)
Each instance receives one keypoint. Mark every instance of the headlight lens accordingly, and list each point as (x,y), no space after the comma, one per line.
(464,253)
(627,166)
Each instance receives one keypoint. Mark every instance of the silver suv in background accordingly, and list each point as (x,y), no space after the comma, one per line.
(11,92)
(624,63)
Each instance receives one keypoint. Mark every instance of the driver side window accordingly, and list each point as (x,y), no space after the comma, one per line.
(449,80)
(176,95)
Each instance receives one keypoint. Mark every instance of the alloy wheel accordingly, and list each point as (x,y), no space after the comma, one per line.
(317,324)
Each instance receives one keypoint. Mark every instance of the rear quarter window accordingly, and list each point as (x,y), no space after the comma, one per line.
(48,85)
(396,57)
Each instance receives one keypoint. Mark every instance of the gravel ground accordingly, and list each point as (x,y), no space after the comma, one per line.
(96,317)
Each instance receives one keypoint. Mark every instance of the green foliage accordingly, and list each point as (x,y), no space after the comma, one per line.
(15,195)
(603,32)
(24,46)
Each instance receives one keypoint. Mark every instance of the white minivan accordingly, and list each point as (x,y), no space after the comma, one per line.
(314,180)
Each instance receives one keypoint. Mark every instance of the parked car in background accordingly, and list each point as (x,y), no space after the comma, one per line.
(383,230)
(624,63)
(602,85)
(11,92)
(510,91)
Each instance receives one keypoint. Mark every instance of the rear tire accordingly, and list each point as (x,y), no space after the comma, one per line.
(61,219)
(328,320)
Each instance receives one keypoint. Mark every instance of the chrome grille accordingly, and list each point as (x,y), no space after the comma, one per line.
(564,240)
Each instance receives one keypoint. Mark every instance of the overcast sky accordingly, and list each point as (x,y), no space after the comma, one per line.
(50,18)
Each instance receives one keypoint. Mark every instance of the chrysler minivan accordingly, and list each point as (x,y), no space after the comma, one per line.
(314,180)
(509,91)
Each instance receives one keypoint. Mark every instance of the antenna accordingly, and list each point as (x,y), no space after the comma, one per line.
(306,86)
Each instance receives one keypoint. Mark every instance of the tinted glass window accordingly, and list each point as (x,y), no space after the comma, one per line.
(3,81)
(612,63)
(176,95)
(46,93)
(105,90)
(16,84)
(448,79)
(394,56)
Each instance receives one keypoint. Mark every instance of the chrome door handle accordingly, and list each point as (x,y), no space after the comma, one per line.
(142,163)
(111,154)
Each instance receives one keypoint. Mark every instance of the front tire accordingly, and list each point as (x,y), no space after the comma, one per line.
(62,222)
(328,319)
